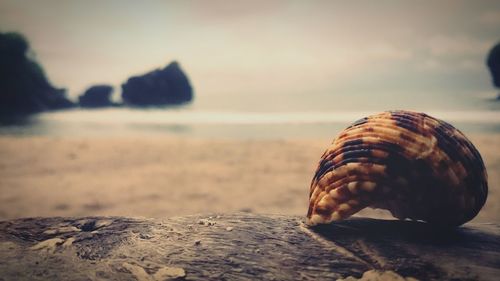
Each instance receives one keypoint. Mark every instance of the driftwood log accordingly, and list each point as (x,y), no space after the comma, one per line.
(242,247)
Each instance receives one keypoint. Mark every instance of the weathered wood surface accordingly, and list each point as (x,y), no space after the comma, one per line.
(241,247)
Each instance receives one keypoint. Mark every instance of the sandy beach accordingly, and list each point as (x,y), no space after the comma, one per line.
(168,176)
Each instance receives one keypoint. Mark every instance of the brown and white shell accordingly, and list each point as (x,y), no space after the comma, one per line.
(416,166)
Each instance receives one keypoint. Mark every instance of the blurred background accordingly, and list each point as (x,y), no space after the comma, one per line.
(164,108)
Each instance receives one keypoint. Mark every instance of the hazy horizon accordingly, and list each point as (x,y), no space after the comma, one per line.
(278,48)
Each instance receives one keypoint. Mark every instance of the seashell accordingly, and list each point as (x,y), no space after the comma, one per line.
(416,166)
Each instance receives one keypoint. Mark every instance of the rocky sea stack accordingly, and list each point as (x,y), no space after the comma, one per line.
(97,96)
(493,63)
(24,87)
(167,86)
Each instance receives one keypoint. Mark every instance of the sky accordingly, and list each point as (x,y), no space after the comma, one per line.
(279,48)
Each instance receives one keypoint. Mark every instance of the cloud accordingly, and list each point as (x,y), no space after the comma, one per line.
(456,46)
(446,65)
(385,51)
(490,18)
(452,53)
(221,10)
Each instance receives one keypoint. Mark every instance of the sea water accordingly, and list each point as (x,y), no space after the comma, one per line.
(258,117)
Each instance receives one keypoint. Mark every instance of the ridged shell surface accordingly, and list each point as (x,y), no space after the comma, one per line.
(416,166)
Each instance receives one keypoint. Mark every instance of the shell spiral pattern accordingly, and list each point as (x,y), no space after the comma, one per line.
(416,166)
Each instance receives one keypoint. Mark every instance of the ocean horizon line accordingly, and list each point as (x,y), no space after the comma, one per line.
(200,117)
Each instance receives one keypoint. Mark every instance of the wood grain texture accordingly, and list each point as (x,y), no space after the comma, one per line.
(242,247)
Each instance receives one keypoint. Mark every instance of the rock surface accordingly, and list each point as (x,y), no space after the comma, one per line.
(168,86)
(493,63)
(24,88)
(257,247)
(97,96)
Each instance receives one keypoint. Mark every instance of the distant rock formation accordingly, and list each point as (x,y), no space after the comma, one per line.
(493,63)
(24,88)
(97,96)
(168,86)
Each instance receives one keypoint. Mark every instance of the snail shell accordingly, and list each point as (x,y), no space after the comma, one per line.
(416,166)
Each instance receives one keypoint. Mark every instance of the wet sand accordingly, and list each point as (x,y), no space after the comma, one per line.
(167,176)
